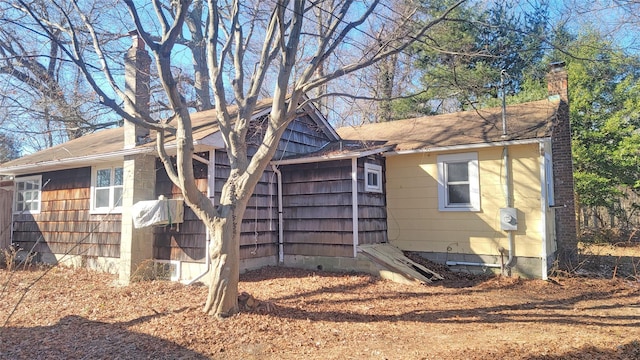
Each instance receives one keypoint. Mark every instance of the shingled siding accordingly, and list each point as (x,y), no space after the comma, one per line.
(259,232)
(318,213)
(372,207)
(187,241)
(301,137)
(184,241)
(64,225)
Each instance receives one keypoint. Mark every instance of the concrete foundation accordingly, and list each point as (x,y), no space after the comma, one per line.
(526,267)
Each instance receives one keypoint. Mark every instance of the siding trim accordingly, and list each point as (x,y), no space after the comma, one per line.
(354,203)
(466,146)
(544,212)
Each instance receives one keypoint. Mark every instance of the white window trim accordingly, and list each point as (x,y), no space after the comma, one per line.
(474,182)
(15,194)
(103,210)
(548,172)
(372,169)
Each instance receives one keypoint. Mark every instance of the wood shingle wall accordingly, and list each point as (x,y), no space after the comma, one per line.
(318,211)
(187,241)
(64,224)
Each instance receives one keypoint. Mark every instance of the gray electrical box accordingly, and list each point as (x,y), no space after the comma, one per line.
(508,219)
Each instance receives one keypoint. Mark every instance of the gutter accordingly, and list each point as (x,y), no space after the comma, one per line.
(468,146)
(42,166)
(344,156)
(85,160)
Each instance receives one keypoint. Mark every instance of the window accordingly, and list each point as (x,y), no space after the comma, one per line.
(458,182)
(373,177)
(28,194)
(106,194)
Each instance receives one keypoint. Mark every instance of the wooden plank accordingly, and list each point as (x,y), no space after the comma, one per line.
(393,259)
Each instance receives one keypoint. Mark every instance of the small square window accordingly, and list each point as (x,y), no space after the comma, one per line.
(27,196)
(373,177)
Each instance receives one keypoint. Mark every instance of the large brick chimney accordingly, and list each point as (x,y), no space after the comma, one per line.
(137,63)
(565,207)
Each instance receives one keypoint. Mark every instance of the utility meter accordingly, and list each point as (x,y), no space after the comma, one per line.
(508,219)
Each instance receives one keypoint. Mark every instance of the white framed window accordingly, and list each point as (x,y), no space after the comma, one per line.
(373,177)
(458,182)
(106,189)
(28,194)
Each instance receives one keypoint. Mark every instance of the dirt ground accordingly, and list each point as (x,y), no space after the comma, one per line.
(298,314)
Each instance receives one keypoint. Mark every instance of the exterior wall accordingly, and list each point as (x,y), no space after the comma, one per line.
(372,210)
(6,204)
(186,242)
(64,225)
(301,137)
(318,210)
(259,231)
(416,224)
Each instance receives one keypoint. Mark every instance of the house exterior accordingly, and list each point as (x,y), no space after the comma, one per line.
(482,190)
(456,188)
(69,202)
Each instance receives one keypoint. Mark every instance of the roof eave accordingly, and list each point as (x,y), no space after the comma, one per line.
(322,158)
(467,146)
(75,162)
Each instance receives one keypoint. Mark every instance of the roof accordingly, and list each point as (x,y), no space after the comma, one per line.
(108,145)
(532,120)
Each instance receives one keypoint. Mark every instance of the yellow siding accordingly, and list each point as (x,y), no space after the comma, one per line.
(416,224)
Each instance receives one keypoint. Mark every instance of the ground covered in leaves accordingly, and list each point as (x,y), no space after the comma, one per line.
(298,314)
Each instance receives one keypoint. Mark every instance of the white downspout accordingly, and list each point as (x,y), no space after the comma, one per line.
(507,171)
(211,174)
(280,218)
(354,203)
(509,203)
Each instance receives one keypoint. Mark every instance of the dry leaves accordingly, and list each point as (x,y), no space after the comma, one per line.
(295,314)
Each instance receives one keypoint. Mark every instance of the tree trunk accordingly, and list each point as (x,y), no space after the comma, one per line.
(222,300)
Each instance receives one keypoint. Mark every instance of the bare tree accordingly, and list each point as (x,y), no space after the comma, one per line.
(43,95)
(231,30)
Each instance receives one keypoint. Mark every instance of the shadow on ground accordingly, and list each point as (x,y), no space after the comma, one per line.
(50,342)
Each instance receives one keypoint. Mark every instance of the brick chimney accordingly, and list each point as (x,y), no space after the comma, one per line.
(557,81)
(137,63)
(565,206)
